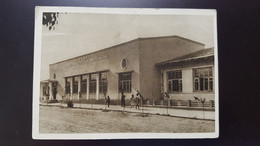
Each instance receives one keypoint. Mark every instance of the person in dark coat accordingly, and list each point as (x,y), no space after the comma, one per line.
(54,93)
(108,101)
(122,99)
(137,101)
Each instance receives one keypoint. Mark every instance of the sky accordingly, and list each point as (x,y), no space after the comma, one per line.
(81,33)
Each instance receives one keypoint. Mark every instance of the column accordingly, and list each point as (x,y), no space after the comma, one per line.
(164,81)
(71,87)
(97,91)
(50,91)
(87,87)
(41,91)
(188,103)
(79,87)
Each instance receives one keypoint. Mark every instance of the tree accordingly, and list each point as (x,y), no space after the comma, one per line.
(50,19)
(202,100)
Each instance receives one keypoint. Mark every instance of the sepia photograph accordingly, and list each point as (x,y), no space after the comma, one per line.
(125,73)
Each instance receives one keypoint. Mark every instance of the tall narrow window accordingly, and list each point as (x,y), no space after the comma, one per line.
(83,84)
(103,82)
(210,84)
(196,82)
(93,83)
(203,80)
(125,82)
(175,81)
(75,84)
(67,84)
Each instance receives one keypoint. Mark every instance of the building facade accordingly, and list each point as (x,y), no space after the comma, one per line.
(190,76)
(148,65)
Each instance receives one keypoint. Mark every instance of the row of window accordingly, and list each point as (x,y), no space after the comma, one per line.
(125,83)
(202,80)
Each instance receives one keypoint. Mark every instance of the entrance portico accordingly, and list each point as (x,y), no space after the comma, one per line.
(49,90)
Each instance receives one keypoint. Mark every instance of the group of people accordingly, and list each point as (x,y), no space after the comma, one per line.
(134,101)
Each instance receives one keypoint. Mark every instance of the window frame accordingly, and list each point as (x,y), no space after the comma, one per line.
(125,82)
(83,84)
(92,83)
(203,78)
(75,84)
(174,76)
(67,85)
(103,83)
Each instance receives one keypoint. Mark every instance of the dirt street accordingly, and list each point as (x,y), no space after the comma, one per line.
(65,120)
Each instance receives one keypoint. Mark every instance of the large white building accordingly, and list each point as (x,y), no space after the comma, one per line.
(181,67)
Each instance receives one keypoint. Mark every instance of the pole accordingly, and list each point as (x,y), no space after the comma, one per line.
(142,107)
(167,106)
(106,102)
(79,103)
(203,110)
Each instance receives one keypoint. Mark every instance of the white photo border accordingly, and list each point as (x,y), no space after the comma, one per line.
(144,11)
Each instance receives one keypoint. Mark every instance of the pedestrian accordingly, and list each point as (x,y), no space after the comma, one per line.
(132,101)
(132,98)
(137,101)
(122,99)
(54,92)
(108,101)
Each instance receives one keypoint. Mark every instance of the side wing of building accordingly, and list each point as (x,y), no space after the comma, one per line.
(155,50)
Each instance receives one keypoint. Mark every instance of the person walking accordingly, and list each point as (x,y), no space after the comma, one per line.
(132,101)
(122,99)
(137,101)
(108,101)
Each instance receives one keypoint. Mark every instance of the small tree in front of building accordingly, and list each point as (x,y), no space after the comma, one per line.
(202,101)
(70,104)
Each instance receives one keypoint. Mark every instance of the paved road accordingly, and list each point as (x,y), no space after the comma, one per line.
(199,114)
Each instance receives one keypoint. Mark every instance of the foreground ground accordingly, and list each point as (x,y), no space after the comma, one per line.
(65,120)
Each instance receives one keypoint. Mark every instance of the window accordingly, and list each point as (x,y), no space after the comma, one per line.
(203,80)
(125,82)
(67,84)
(83,84)
(175,81)
(93,83)
(103,82)
(75,84)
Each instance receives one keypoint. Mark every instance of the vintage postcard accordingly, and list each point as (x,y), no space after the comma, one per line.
(125,73)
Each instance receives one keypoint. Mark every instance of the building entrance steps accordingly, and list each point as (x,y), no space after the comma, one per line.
(185,113)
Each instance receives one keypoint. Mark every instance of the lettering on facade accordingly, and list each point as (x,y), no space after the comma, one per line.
(85,60)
